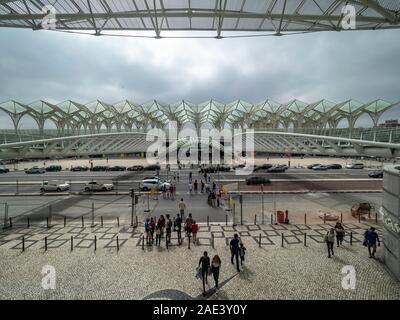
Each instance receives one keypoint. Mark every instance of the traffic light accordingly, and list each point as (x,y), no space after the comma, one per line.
(132,192)
(136,199)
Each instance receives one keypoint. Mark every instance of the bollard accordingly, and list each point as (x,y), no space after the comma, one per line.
(208,221)
(95,243)
(83,223)
(23,244)
(359,217)
(10,222)
(118,221)
(226,219)
(65,221)
(272,219)
(72,243)
(255,219)
(45,243)
(189,242)
(305,239)
(117,244)
(47,222)
(376,217)
(324,218)
(305,218)
(282,239)
(351,238)
(259,241)
(341,217)
(166,242)
(92,225)
(212,240)
(142,242)
(101,221)
(136,221)
(28,223)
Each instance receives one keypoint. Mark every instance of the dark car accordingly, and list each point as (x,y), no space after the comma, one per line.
(79,168)
(224,168)
(136,168)
(334,166)
(313,165)
(53,168)
(152,167)
(277,169)
(257,180)
(99,168)
(4,170)
(117,168)
(264,166)
(320,168)
(376,174)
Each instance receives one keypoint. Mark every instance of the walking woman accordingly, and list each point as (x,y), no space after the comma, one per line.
(215,266)
(339,233)
(204,262)
(330,240)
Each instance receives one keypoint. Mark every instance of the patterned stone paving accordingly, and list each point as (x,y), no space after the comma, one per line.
(270,271)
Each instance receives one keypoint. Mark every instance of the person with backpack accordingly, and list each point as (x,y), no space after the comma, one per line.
(242,252)
(370,239)
(204,263)
(168,229)
(339,233)
(178,228)
(195,229)
(182,208)
(147,231)
(215,267)
(234,246)
(330,240)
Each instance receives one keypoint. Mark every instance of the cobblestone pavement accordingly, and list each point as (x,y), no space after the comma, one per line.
(271,271)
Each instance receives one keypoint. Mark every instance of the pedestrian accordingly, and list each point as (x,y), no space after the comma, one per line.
(209,179)
(195,185)
(178,227)
(207,188)
(190,188)
(168,229)
(202,186)
(190,177)
(195,229)
(214,186)
(330,240)
(215,267)
(213,199)
(219,198)
(188,225)
(242,252)
(234,246)
(370,239)
(161,221)
(164,190)
(182,208)
(339,233)
(152,229)
(147,231)
(158,234)
(204,262)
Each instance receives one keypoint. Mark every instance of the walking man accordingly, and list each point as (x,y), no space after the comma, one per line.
(182,208)
(178,227)
(234,246)
(168,229)
(204,262)
(370,239)
(330,240)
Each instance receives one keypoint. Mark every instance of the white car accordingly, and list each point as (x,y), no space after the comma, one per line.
(99,186)
(54,186)
(150,184)
(355,166)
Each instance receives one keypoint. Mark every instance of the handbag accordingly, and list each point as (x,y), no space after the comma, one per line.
(365,243)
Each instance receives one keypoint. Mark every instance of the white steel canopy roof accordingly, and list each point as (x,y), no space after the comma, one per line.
(276,16)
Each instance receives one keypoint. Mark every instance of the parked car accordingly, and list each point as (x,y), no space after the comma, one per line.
(313,165)
(264,166)
(136,168)
(376,174)
(54,185)
(320,168)
(355,166)
(152,167)
(53,168)
(149,184)
(256,180)
(4,170)
(276,169)
(79,168)
(334,166)
(99,186)
(100,168)
(224,168)
(35,170)
(117,168)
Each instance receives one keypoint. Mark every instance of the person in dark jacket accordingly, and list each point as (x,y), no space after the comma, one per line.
(370,239)
(234,246)
(215,267)
(339,233)
(204,262)
(178,227)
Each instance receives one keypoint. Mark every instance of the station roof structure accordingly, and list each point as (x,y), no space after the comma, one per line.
(156,114)
(274,16)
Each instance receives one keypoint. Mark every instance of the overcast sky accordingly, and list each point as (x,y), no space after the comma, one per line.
(56,66)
